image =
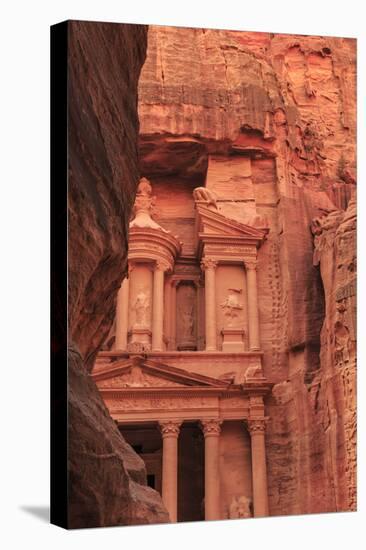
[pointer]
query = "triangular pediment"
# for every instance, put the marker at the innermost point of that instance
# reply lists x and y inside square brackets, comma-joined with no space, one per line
[212,222]
[138,372]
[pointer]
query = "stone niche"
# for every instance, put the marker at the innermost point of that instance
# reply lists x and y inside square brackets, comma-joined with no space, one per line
[140,306]
[231,308]
[186,316]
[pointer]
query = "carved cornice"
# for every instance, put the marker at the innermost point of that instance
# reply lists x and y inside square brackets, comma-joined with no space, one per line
[146,244]
[170,428]
[211,427]
[208,263]
[159,356]
[256,425]
[162,392]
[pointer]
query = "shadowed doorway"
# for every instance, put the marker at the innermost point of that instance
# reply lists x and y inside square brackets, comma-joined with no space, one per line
[146,442]
[190,473]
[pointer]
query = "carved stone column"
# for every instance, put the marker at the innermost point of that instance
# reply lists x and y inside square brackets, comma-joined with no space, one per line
[158,306]
[122,316]
[211,431]
[253,316]
[198,313]
[256,428]
[173,315]
[167,313]
[170,432]
[209,266]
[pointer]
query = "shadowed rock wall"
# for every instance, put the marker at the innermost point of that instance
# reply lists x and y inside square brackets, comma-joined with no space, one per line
[209,101]
[107,480]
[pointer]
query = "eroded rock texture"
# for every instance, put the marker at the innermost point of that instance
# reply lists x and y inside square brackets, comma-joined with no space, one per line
[107,479]
[277,115]
[104,65]
[335,252]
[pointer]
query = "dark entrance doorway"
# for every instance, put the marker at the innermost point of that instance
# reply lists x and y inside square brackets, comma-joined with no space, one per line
[146,442]
[190,473]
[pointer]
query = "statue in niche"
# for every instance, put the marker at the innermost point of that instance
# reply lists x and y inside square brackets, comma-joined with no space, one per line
[240,507]
[186,338]
[187,323]
[232,306]
[141,308]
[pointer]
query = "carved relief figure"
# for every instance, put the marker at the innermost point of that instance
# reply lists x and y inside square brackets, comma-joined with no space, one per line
[188,322]
[141,308]
[205,195]
[342,339]
[240,507]
[254,371]
[232,306]
[186,336]
[136,378]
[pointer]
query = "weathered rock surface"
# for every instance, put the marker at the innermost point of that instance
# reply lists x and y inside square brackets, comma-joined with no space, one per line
[277,115]
[335,389]
[104,66]
[107,479]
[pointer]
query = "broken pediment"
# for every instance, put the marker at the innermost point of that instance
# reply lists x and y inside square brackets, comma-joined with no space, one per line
[213,228]
[210,221]
[137,372]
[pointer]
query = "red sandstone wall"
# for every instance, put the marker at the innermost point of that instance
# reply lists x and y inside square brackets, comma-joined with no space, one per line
[107,480]
[287,103]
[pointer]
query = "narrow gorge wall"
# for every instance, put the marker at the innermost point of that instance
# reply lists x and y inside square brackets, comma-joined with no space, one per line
[276,114]
[107,480]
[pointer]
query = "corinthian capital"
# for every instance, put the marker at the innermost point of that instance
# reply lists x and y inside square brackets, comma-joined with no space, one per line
[162,265]
[211,427]
[170,428]
[250,264]
[208,263]
[256,425]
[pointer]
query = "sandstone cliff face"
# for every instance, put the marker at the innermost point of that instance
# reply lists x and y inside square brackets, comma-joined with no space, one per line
[335,405]
[104,66]
[107,480]
[278,113]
